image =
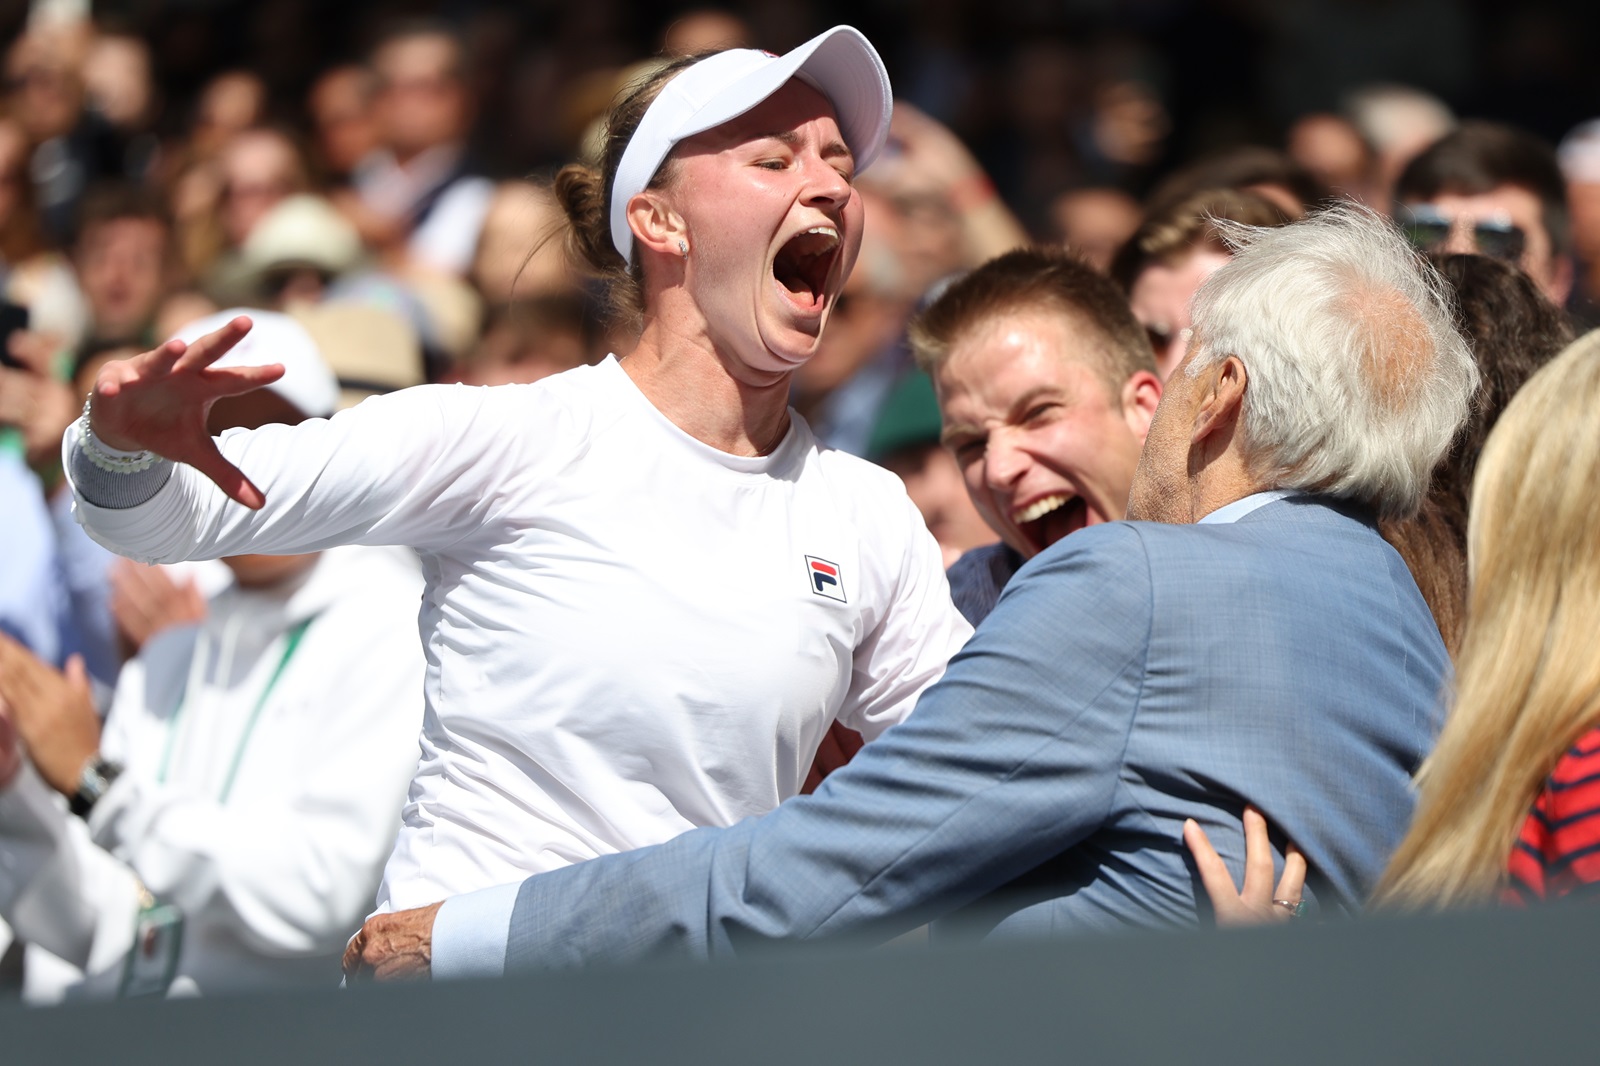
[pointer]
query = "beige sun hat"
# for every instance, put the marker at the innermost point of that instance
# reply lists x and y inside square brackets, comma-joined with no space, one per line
[372,350]
[302,231]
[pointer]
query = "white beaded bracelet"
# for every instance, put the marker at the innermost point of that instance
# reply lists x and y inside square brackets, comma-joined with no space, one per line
[111,464]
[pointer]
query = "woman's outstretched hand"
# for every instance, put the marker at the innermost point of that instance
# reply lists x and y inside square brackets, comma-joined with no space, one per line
[1258,902]
[159,402]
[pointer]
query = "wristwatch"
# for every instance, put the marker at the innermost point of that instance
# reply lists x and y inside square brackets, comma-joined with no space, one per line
[98,774]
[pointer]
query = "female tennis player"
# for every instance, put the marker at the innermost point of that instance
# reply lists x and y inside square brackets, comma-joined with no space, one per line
[648,591]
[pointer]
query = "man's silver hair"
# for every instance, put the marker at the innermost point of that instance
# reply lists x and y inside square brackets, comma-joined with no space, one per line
[1357,376]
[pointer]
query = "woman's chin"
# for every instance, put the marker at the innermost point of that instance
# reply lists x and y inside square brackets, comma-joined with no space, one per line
[784,350]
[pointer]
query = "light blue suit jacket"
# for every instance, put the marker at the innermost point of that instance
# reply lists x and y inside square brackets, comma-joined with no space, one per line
[1132,676]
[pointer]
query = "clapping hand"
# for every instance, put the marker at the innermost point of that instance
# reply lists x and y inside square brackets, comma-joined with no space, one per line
[40,408]
[931,158]
[159,402]
[145,600]
[52,712]
[10,748]
[33,401]
[929,152]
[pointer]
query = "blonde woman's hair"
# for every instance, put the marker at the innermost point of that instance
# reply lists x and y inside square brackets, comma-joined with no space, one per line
[1528,676]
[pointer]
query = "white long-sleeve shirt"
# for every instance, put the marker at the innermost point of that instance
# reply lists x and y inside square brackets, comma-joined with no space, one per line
[260,789]
[628,633]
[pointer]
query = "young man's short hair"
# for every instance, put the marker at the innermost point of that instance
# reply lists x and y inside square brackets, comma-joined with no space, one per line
[1032,278]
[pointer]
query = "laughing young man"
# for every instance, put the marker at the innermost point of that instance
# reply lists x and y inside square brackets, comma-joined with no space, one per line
[1047,385]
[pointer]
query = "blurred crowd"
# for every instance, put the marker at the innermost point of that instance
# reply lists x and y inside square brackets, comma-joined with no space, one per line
[382,181]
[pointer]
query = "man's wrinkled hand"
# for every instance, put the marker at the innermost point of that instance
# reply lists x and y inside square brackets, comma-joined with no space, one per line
[392,947]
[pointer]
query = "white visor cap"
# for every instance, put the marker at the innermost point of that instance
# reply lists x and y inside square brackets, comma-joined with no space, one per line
[307,383]
[840,63]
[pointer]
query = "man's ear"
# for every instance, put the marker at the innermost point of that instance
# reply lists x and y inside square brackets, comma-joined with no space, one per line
[1222,399]
[1141,395]
[655,225]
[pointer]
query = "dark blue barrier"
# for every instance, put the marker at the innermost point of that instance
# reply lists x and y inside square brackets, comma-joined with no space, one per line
[1491,987]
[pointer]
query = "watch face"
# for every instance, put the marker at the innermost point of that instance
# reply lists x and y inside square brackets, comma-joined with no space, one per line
[104,773]
[97,777]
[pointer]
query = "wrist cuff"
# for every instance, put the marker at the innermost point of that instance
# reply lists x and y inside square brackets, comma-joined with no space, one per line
[93,483]
[470,933]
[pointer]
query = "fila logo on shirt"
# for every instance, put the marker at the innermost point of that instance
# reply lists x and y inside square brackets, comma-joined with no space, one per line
[825,578]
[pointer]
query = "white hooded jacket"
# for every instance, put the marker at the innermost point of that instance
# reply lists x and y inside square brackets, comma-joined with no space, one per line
[261,789]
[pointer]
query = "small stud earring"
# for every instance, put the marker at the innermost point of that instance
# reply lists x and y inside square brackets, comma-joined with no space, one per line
[683,247]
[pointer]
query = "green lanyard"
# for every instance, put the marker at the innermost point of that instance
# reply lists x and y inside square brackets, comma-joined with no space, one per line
[290,645]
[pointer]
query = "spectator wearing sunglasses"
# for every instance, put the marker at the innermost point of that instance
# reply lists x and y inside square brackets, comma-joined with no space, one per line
[1494,190]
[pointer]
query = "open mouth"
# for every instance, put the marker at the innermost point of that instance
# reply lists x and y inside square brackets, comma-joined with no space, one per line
[1047,520]
[803,264]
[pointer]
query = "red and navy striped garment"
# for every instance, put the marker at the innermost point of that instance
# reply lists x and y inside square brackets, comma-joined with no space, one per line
[1558,851]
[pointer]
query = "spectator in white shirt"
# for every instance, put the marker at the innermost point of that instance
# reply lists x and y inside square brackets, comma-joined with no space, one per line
[249,776]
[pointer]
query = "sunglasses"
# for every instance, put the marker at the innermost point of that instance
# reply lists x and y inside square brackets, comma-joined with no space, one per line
[1429,230]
